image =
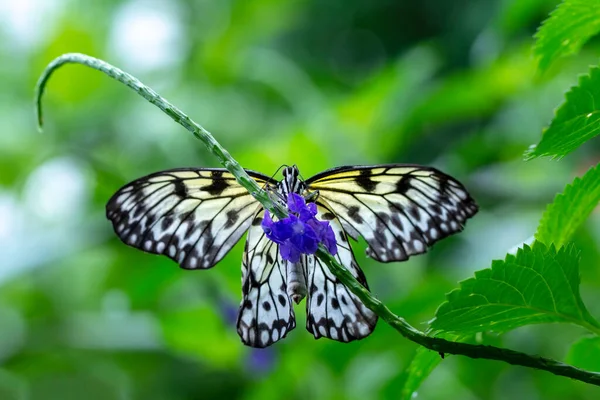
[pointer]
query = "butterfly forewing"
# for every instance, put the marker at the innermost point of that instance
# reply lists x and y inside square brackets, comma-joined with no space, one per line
[193,216]
[399,209]
[332,310]
[266,312]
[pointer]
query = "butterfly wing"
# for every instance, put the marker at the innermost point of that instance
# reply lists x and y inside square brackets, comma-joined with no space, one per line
[399,209]
[193,216]
[332,310]
[266,313]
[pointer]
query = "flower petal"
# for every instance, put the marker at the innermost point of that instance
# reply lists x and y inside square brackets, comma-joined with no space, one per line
[296,203]
[308,212]
[307,242]
[329,240]
[289,252]
[277,231]
[267,224]
[283,229]
[319,227]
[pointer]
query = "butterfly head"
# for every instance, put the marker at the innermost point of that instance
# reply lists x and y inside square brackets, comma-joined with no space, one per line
[291,182]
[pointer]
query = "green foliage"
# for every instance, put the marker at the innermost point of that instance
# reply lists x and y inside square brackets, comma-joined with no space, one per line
[572,24]
[537,285]
[570,209]
[577,120]
[79,310]
[218,341]
[585,353]
[422,364]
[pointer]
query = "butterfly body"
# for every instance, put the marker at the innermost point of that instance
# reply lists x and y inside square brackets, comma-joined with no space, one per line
[296,285]
[195,216]
[296,272]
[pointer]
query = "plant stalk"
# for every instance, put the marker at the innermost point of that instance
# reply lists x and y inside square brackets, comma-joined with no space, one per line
[436,344]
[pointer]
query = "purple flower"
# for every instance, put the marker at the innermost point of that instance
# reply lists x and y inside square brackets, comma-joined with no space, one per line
[324,234]
[301,232]
[297,205]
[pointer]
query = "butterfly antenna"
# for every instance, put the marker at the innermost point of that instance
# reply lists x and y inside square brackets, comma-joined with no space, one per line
[274,194]
[299,174]
[267,185]
[312,196]
[277,171]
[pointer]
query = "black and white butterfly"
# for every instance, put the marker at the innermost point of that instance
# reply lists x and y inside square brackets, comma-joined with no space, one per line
[196,215]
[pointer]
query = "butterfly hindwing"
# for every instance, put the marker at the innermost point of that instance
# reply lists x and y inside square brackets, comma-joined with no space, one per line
[331,309]
[266,312]
[193,216]
[399,209]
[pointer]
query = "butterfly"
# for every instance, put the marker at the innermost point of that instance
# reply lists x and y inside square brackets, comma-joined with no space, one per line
[196,215]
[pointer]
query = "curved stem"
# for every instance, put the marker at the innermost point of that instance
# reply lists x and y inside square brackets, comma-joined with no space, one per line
[176,114]
[437,344]
[444,346]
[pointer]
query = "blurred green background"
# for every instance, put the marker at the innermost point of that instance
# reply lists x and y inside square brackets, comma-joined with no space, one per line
[450,84]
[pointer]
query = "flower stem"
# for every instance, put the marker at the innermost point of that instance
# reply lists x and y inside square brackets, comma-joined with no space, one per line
[444,346]
[175,113]
[437,344]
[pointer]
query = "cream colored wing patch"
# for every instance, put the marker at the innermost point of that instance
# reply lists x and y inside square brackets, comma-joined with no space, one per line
[399,209]
[333,311]
[193,216]
[266,313]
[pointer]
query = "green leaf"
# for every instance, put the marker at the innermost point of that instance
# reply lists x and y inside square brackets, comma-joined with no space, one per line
[421,366]
[576,121]
[570,209]
[537,285]
[585,353]
[570,25]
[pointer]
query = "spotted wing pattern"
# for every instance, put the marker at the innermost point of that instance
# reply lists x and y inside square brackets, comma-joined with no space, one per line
[193,216]
[266,313]
[399,209]
[332,310]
